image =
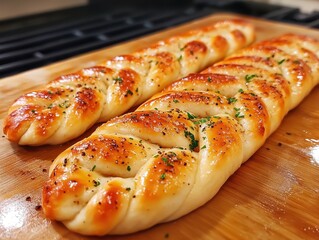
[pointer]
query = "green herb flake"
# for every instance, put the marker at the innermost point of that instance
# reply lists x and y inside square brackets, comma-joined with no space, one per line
[33,111]
[175,101]
[128,189]
[93,168]
[238,115]
[190,116]
[163,176]
[96,183]
[128,168]
[231,100]
[202,120]
[248,78]
[179,58]
[203,147]
[209,79]
[129,92]
[194,142]
[167,163]
[118,80]
[217,117]
[241,90]
[281,61]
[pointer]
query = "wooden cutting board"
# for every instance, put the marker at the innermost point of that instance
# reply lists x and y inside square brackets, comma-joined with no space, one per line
[274,195]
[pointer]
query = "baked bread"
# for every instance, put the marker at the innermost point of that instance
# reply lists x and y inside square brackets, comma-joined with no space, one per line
[151,166]
[69,105]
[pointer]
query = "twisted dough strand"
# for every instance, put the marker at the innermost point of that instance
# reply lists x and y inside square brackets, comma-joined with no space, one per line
[71,104]
[176,150]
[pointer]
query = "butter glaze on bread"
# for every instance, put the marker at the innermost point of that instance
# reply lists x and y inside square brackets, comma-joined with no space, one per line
[69,105]
[175,151]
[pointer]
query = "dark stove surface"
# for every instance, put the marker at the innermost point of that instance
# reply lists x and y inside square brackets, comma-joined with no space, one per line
[38,40]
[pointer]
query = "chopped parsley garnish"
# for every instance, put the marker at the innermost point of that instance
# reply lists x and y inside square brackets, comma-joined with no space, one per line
[175,101]
[118,80]
[163,176]
[248,78]
[33,111]
[203,147]
[190,116]
[93,168]
[231,100]
[129,92]
[241,90]
[128,168]
[194,142]
[50,106]
[96,183]
[217,117]
[238,115]
[179,58]
[202,120]
[281,61]
[128,189]
[209,79]
[167,163]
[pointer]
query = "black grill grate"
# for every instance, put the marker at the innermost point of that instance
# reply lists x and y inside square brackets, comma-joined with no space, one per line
[37,44]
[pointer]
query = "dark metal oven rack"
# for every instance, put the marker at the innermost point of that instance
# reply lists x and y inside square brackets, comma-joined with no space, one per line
[37,40]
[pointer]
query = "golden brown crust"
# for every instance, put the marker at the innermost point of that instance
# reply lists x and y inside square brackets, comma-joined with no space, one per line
[72,103]
[156,161]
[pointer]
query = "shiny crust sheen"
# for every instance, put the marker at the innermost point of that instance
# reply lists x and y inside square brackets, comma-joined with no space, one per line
[69,105]
[151,165]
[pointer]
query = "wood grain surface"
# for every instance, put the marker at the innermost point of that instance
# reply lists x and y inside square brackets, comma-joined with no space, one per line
[274,195]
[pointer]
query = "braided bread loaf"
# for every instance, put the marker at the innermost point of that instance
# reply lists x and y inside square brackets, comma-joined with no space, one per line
[151,165]
[69,105]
